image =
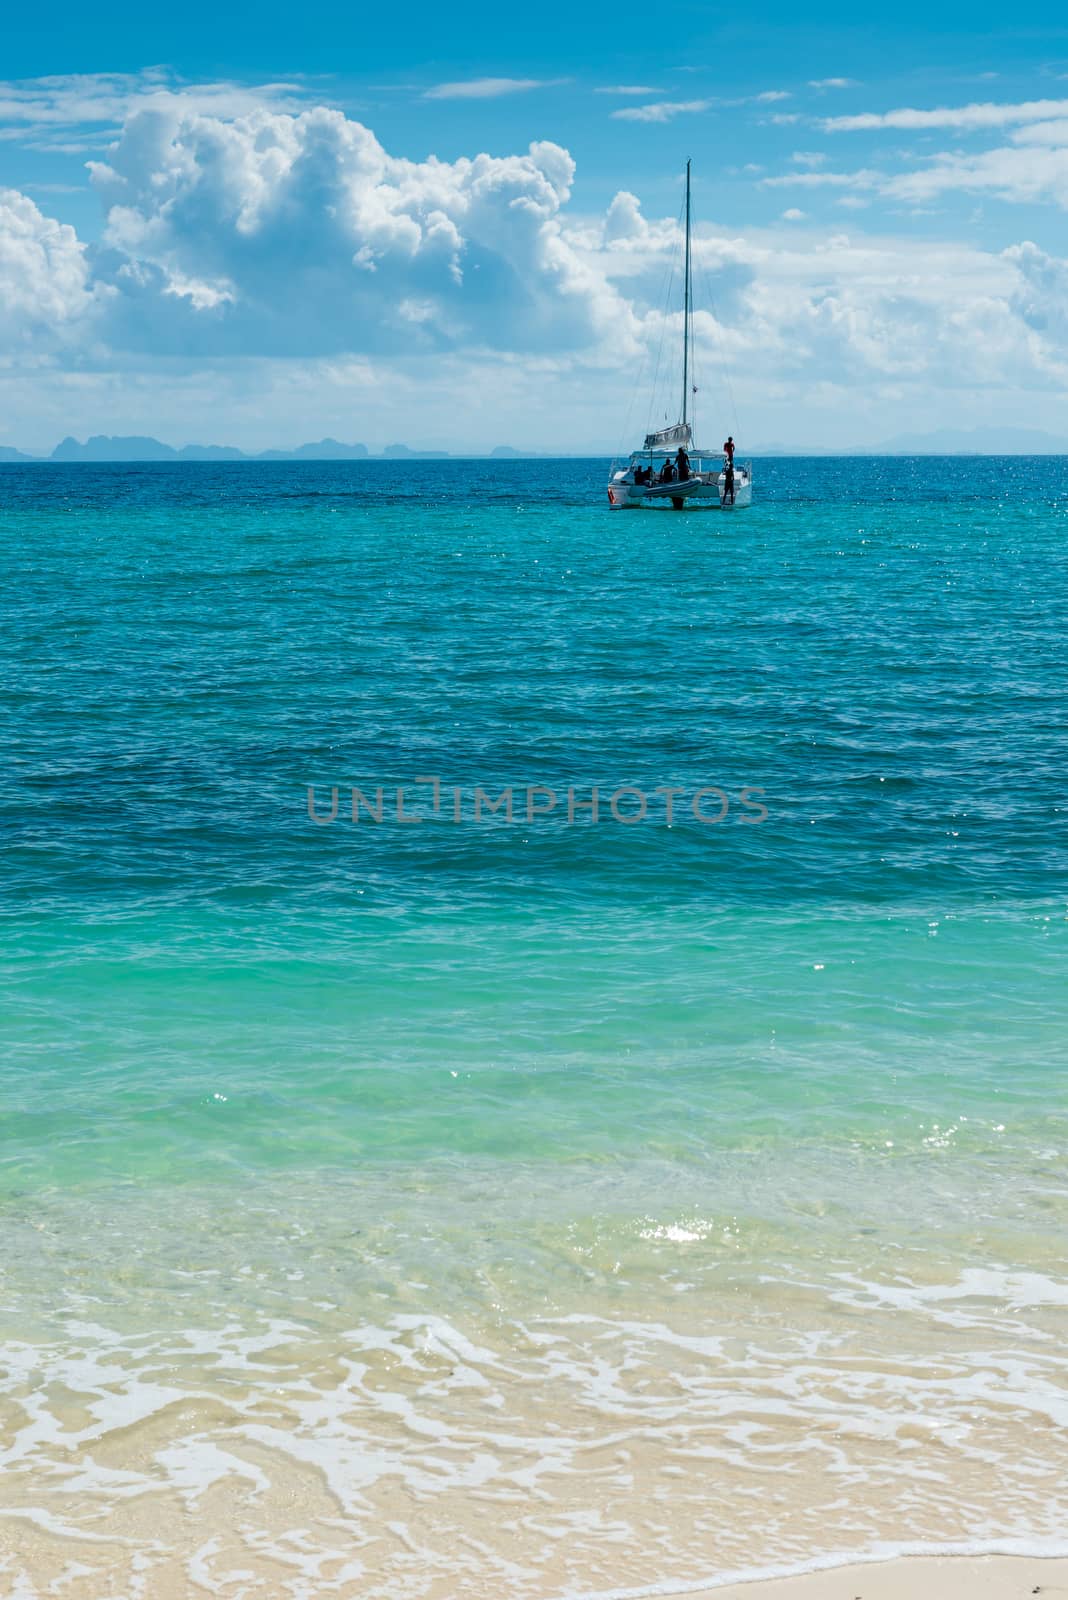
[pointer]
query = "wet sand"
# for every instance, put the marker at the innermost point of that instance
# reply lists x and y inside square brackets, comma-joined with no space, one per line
[913,1578]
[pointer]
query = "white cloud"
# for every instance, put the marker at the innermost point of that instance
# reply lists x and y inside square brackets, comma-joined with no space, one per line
[661,110]
[1046,133]
[937,316]
[1011,173]
[89,100]
[624,219]
[668,110]
[279,234]
[1008,173]
[833,83]
[488,88]
[793,308]
[44,278]
[864,179]
[55,188]
[965,118]
[808,158]
[1031,168]
[628,88]
[1041,299]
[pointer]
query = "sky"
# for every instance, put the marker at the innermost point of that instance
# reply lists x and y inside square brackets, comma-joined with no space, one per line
[458,228]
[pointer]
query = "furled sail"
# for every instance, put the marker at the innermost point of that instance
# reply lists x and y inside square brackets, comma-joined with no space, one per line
[666,438]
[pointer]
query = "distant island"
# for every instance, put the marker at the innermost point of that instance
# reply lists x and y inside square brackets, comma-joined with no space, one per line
[138,447]
[940,442]
[135,447]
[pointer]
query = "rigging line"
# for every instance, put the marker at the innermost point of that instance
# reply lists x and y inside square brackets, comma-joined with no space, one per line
[657,392]
[663,328]
[693,369]
[686,298]
[666,284]
[676,367]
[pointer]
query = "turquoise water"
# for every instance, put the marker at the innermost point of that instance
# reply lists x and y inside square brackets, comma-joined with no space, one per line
[706,1145]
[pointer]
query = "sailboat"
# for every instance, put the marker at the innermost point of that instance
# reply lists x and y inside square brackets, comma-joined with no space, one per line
[648,479]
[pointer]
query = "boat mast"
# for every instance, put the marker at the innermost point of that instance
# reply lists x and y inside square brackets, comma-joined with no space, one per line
[686,310]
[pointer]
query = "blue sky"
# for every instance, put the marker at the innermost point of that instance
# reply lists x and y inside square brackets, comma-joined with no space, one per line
[456,227]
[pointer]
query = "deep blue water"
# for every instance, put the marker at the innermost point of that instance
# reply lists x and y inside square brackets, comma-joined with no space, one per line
[875,650]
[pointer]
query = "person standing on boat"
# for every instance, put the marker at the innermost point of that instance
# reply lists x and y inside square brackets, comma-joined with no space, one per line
[682,463]
[728,481]
[667,471]
[728,449]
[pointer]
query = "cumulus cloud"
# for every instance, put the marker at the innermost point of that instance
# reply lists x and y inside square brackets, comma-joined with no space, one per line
[280,234]
[624,219]
[791,307]
[1040,298]
[832,83]
[44,277]
[936,316]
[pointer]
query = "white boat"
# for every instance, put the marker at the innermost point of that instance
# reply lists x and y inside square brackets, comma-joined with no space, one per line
[651,475]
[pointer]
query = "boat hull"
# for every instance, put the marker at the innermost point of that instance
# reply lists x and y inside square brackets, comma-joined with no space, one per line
[705,493]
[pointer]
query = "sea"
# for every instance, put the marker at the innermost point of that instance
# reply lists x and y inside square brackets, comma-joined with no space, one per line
[421,1177]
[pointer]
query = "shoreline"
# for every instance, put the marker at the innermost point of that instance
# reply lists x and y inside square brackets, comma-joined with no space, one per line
[949,1574]
[944,1577]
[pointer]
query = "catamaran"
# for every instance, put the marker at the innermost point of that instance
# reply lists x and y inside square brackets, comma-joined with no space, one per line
[669,469]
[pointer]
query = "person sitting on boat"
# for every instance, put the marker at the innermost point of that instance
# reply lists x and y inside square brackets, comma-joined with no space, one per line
[682,462]
[728,449]
[728,482]
[667,471]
